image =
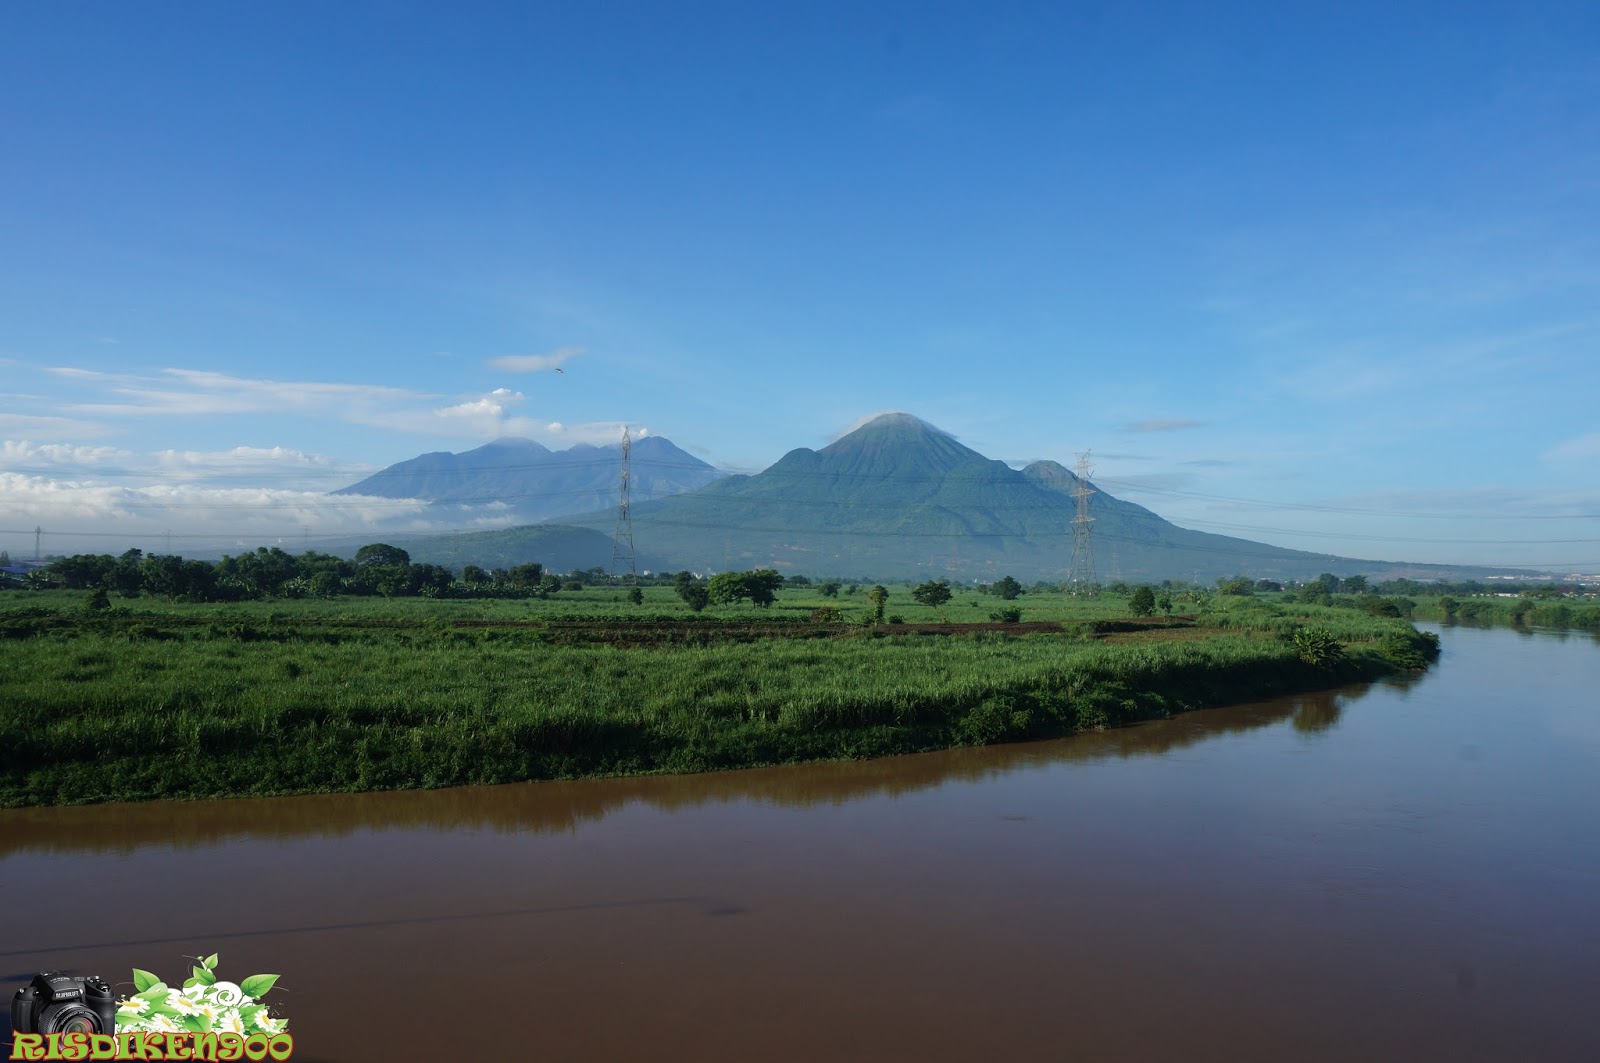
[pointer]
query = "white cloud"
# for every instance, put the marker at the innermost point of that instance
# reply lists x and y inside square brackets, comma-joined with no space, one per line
[95,463]
[48,427]
[1583,447]
[534,363]
[81,516]
[187,392]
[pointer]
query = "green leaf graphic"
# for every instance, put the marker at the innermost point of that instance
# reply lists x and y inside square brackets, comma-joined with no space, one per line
[190,983]
[258,984]
[143,980]
[211,962]
[195,1023]
[204,976]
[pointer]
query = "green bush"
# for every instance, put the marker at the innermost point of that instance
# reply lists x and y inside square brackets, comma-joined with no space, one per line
[1317,646]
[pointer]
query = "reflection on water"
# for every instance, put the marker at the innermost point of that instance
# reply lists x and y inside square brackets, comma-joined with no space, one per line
[562,806]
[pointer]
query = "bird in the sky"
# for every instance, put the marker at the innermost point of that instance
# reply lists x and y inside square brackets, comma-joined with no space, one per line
[560,370]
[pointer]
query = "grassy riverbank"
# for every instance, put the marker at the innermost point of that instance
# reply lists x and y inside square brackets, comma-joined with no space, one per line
[1526,612]
[150,700]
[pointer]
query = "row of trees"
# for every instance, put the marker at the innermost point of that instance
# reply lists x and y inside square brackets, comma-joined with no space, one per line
[269,572]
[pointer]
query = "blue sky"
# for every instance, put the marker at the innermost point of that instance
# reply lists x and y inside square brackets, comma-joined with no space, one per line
[1326,279]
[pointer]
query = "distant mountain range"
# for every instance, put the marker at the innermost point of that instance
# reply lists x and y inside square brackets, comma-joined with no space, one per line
[538,483]
[899,498]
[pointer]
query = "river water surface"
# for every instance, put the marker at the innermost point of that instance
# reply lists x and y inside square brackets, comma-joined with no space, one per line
[1408,871]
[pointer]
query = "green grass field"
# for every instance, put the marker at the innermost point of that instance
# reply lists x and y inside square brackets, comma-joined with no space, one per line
[150,699]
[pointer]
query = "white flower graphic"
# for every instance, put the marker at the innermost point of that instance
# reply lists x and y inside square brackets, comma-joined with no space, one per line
[227,995]
[221,1007]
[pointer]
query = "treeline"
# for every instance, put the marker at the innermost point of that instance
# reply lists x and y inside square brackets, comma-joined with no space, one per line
[377,569]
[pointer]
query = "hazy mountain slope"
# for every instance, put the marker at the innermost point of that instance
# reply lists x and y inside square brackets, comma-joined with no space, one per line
[558,547]
[539,483]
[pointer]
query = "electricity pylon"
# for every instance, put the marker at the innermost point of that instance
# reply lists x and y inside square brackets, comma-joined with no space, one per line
[1081,573]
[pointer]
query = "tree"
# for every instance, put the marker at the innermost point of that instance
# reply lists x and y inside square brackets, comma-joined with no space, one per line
[473,576]
[1354,584]
[829,589]
[162,574]
[381,555]
[125,577]
[764,584]
[1238,585]
[691,590]
[1143,601]
[430,580]
[725,588]
[1165,604]
[879,597]
[696,595]
[1314,594]
[760,586]
[82,571]
[325,584]
[933,593]
[1007,588]
[526,577]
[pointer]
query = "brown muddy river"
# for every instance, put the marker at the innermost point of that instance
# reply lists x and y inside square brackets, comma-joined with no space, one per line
[1401,872]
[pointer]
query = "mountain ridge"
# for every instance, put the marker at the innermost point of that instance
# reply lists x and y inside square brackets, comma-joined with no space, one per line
[899,498]
[535,482]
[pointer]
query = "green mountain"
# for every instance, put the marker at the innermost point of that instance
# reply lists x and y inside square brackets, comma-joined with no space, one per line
[898,498]
[538,483]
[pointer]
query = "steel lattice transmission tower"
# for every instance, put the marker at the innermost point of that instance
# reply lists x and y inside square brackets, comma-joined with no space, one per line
[622,538]
[1081,573]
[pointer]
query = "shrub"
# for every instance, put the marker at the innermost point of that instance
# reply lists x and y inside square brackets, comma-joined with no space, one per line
[1006,616]
[1409,651]
[826,615]
[1317,646]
